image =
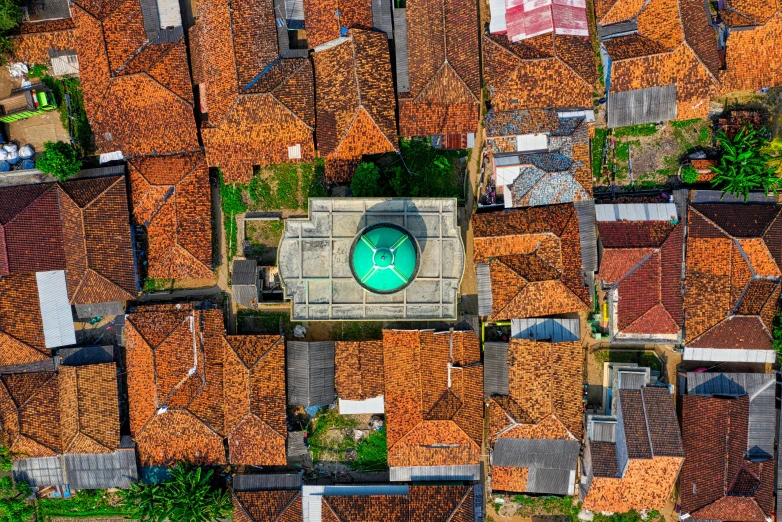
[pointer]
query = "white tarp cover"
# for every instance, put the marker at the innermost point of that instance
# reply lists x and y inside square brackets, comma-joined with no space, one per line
[529,142]
[729,355]
[373,405]
[636,212]
[58,329]
[497,23]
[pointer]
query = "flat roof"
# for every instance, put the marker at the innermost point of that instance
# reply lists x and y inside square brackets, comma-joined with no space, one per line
[313,260]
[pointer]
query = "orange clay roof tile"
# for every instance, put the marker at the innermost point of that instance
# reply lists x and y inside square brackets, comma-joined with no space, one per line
[753,58]
[358,369]
[324,19]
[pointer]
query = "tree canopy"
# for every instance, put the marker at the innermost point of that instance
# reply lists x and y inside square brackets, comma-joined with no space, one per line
[744,166]
[14,506]
[366,181]
[59,159]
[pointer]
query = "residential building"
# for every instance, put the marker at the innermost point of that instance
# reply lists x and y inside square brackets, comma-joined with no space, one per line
[326,21]
[440,86]
[310,372]
[200,395]
[623,452]
[328,272]
[359,380]
[535,410]
[64,426]
[534,262]
[256,90]
[259,498]
[641,271]
[520,21]
[433,404]
[660,60]
[354,100]
[47,31]
[732,281]
[540,156]
[728,428]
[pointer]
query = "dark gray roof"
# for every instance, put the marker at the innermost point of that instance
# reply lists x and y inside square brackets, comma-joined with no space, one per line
[43,471]
[650,105]
[85,355]
[88,311]
[381,17]
[484,289]
[310,373]
[40,10]
[244,272]
[47,365]
[274,481]
[610,31]
[716,196]
[111,470]
[551,463]
[400,44]
[495,369]
[760,387]
[585,210]
[545,328]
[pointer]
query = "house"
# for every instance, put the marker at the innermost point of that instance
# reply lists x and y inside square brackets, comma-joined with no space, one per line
[337,278]
[256,91]
[521,21]
[442,91]
[750,33]
[641,271]
[549,70]
[660,60]
[354,97]
[65,425]
[53,243]
[260,498]
[244,282]
[434,404]
[199,395]
[326,21]
[728,425]
[309,367]
[47,30]
[359,376]
[535,409]
[623,452]
[732,281]
[540,156]
[533,262]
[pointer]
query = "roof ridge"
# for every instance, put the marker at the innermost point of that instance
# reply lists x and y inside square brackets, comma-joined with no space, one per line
[271,93]
[647,257]
[557,57]
[355,118]
[459,504]
[39,196]
[163,86]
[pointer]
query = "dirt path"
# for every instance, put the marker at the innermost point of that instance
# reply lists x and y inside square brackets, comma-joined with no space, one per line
[222,263]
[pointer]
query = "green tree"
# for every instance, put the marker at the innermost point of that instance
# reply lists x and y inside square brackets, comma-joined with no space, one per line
[774,150]
[7,456]
[744,166]
[10,15]
[366,181]
[59,159]
[190,495]
[14,506]
[689,175]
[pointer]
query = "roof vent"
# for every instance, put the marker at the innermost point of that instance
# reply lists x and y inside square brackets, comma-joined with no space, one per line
[162,410]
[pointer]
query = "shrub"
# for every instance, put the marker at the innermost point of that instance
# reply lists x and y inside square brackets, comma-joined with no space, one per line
[366,181]
[689,174]
[59,159]
[13,501]
[744,167]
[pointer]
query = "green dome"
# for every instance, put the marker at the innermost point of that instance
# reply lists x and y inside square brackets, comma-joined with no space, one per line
[384,258]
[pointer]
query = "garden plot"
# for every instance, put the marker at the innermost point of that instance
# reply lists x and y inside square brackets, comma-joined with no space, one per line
[263,238]
[359,441]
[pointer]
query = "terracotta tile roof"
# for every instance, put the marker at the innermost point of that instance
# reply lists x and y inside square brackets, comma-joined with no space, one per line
[264,506]
[70,226]
[444,67]
[358,369]
[545,399]
[603,459]
[355,102]
[191,387]
[324,19]
[717,483]
[674,44]
[629,264]
[130,85]
[36,39]
[434,401]
[544,71]
[505,478]
[422,503]
[753,59]
[170,198]
[73,410]
[21,326]
[732,278]
[258,103]
[532,252]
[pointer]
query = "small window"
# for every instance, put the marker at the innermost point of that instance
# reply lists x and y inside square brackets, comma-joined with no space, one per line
[294,152]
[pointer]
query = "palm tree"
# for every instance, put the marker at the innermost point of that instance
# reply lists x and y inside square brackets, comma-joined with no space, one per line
[743,166]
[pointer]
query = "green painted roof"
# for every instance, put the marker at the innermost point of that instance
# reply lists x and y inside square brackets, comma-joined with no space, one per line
[384,259]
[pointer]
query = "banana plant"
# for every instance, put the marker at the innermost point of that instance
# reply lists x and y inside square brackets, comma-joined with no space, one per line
[744,166]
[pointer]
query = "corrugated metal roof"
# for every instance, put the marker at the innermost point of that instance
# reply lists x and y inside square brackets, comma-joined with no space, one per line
[150,18]
[602,430]
[275,481]
[85,355]
[630,380]
[101,471]
[610,31]
[650,105]
[312,496]
[310,372]
[497,10]
[56,315]
[760,387]
[546,328]
[373,405]
[551,481]
[400,43]
[42,471]
[484,289]
[244,272]
[434,473]
[536,453]
[729,355]
[636,212]
[779,468]
[40,10]
[716,196]
[585,210]
[495,369]
[680,197]
[381,17]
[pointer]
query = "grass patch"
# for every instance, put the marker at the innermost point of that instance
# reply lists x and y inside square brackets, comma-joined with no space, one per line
[313,181]
[285,192]
[232,204]
[357,331]
[321,441]
[563,506]
[598,144]
[372,452]
[646,129]
[271,322]
[156,285]
[83,504]
[685,123]
[74,118]
[645,359]
[630,516]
